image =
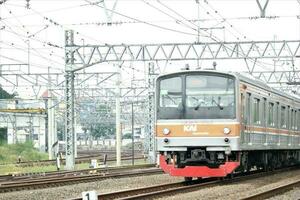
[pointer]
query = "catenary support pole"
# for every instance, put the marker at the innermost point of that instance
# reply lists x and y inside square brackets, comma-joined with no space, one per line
[132,131]
[118,117]
[151,114]
[69,101]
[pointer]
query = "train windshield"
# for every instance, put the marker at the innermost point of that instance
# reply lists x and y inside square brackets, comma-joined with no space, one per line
[209,97]
[170,99]
[201,97]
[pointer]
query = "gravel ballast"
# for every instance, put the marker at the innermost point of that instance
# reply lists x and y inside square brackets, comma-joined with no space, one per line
[240,189]
[225,191]
[104,186]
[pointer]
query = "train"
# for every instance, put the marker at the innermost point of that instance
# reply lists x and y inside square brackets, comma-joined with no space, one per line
[211,123]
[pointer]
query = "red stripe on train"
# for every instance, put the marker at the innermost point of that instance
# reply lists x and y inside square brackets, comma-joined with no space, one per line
[198,171]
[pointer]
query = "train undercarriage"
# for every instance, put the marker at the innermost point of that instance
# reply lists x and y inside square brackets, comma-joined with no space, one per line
[197,162]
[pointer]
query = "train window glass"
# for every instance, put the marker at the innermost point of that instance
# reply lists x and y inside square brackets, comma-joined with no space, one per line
[283,117]
[298,120]
[248,105]
[210,97]
[264,119]
[277,115]
[295,120]
[170,98]
[256,109]
[291,119]
[242,107]
[288,116]
[170,92]
[271,114]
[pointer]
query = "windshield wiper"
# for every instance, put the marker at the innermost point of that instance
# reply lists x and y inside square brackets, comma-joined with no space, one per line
[198,105]
[221,107]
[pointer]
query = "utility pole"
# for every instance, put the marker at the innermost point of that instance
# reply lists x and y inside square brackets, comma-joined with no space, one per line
[198,29]
[132,131]
[51,125]
[262,8]
[118,116]
[28,54]
[31,130]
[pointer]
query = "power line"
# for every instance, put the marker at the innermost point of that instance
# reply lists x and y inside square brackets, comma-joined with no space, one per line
[172,17]
[141,21]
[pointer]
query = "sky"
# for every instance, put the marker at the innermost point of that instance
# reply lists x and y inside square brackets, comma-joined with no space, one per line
[39,29]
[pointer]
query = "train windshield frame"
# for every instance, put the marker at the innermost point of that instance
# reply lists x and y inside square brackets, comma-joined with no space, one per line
[196,96]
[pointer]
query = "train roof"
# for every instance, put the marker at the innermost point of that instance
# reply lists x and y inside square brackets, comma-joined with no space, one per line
[241,77]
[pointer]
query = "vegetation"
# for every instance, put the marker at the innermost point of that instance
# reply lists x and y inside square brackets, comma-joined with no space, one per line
[127,136]
[6,95]
[9,153]
[13,169]
[103,130]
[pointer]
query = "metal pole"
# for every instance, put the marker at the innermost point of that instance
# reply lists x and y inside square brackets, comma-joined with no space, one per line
[118,117]
[69,100]
[51,126]
[69,120]
[151,115]
[46,127]
[132,132]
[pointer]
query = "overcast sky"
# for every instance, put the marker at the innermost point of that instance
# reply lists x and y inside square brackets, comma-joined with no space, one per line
[137,21]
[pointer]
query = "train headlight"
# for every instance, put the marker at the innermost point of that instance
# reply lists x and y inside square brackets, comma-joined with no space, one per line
[166,131]
[226,130]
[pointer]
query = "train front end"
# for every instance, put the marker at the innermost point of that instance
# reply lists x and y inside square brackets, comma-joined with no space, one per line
[197,125]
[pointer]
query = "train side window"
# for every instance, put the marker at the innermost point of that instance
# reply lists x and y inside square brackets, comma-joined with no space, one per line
[271,108]
[256,109]
[295,120]
[298,120]
[283,117]
[248,108]
[264,112]
[288,114]
[291,118]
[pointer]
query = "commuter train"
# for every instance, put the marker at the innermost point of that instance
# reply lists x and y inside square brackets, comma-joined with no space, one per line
[212,124]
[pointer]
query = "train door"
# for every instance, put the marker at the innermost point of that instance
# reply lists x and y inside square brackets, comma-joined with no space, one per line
[242,119]
[247,119]
[265,121]
[278,122]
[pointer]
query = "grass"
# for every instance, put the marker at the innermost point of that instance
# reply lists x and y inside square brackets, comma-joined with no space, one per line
[9,153]
[12,169]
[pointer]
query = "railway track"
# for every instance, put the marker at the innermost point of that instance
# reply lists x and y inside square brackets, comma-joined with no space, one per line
[67,179]
[180,187]
[83,156]
[273,191]
[9,178]
[78,160]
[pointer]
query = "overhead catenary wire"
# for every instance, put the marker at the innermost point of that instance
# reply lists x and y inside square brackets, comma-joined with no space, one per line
[172,17]
[142,21]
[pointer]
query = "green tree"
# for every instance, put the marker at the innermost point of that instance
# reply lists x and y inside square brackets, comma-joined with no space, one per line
[127,136]
[103,130]
[6,95]
[3,132]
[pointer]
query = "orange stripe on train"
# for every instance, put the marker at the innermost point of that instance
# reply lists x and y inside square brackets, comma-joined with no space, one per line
[213,130]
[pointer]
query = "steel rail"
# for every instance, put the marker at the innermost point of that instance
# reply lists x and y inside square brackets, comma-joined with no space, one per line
[58,181]
[102,170]
[78,160]
[179,187]
[273,191]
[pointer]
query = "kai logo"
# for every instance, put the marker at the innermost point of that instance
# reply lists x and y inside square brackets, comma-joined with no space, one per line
[190,128]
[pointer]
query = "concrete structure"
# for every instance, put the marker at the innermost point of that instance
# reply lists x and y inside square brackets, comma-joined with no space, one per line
[21,127]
